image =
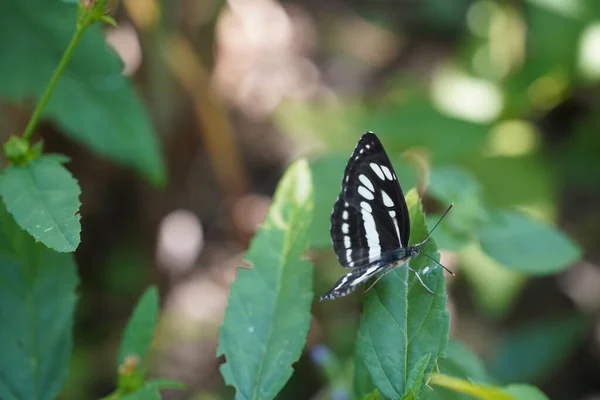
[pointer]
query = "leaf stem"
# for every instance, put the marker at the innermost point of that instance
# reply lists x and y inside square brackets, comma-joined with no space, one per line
[86,16]
[37,114]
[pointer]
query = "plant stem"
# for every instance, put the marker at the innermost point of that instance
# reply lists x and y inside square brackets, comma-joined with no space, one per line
[39,109]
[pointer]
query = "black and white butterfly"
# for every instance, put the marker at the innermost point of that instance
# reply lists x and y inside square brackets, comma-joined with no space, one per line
[370,225]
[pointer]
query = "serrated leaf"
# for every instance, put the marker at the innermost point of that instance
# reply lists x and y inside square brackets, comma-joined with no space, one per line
[528,352]
[92,101]
[415,378]
[43,197]
[140,327]
[37,301]
[268,312]
[524,244]
[401,321]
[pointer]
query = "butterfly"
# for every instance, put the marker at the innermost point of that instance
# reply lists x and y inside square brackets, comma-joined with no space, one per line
[370,224]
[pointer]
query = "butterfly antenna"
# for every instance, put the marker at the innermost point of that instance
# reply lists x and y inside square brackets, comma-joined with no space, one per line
[435,226]
[438,263]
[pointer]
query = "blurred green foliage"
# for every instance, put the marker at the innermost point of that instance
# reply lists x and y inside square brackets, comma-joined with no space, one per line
[481,131]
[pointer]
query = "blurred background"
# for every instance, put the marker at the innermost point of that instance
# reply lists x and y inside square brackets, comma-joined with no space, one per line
[491,104]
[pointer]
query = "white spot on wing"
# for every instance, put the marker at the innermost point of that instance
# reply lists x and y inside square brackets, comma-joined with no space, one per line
[345,228]
[387,172]
[364,192]
[370,232]
[366,206]
[349,256]
[345,215]
[365,181]
[368,273]
[393,217]
[387,200]
[347,242]
[377,170]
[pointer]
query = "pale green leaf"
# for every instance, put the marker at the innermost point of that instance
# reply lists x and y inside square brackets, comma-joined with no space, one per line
[487,392]
[93,101]
[268,312]
[401,321]
[527,245]
[140,327]
[474,390]
[43,197]
[37,302]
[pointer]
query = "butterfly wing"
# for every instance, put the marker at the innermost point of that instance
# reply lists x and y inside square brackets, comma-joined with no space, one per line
[370,216]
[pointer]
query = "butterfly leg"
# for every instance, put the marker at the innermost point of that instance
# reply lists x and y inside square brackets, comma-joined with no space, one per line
[378,278]
[419,278]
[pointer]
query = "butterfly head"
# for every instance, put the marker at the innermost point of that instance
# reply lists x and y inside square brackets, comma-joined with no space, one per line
[413,251]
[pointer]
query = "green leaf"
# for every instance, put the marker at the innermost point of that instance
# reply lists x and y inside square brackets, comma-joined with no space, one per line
[143,393]
[43,197]
[487,392]
[37,302]
[415,378]
[363,385]
[525,392]
[165,383]
[452,184]
[529,352]
[461,363]
[473,390]
[401,321]
[140,327]
[93,102]
[268,312]
[527,245]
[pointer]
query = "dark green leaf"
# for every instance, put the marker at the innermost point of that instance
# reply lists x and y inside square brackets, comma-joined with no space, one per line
[401,321]
[268,312]
[93,101]
[140,327]
[529,352]
[43,197]
[37,301]
[529,246]
[362,386]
